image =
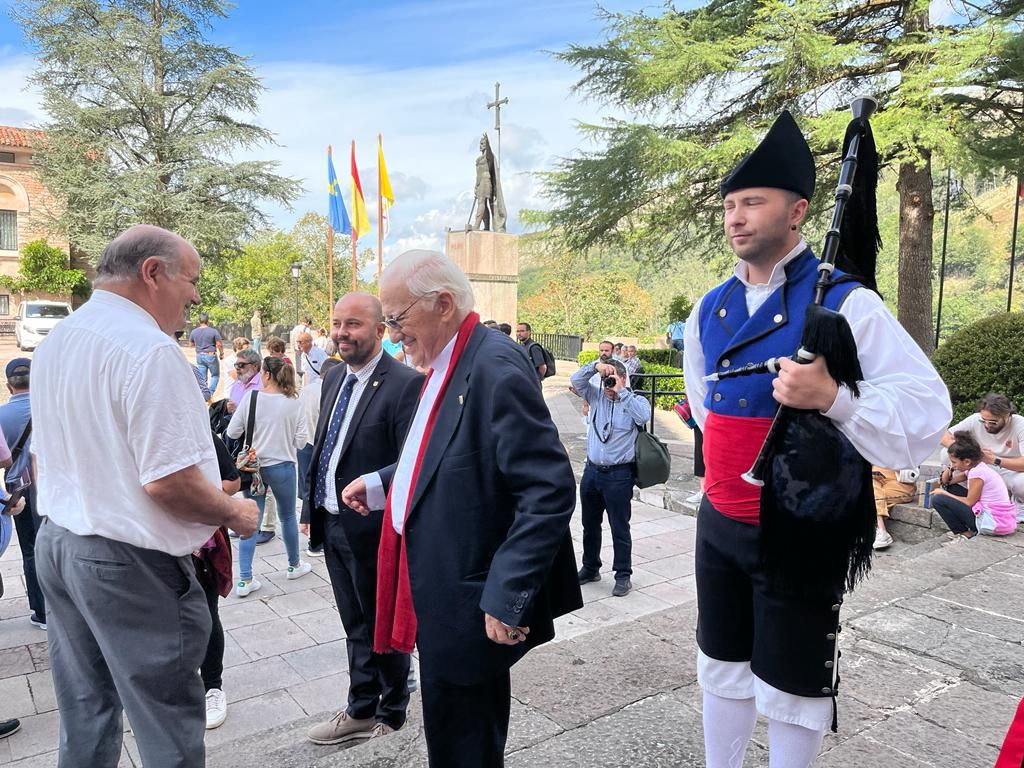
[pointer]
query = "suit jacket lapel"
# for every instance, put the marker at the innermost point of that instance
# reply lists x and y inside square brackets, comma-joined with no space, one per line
[448,417]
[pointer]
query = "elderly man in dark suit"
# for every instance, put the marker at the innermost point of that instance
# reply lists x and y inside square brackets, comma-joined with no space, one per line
[475,559]
[365,409]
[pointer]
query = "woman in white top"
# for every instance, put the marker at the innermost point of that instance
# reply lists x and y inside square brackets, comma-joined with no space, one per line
[280,430]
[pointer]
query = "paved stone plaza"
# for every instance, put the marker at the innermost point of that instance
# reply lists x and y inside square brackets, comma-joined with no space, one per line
[932,661]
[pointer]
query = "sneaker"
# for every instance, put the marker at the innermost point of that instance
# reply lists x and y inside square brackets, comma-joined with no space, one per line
[300,570]
[245,588]
[1020,510]
[586,576]
[958,538]
[263,537]
[381,729]
[411,683]
[622,587]
[216,708]
[883,539]
[8,727]
[341,728]
[318,552]
[35,621]
[693,501]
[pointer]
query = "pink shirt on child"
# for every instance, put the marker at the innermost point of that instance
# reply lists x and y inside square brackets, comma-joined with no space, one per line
[995,497]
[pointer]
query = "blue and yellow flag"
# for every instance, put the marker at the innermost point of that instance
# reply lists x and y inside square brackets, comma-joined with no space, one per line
[338,215]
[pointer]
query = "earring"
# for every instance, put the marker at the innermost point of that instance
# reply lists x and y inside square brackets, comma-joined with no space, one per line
[793,227]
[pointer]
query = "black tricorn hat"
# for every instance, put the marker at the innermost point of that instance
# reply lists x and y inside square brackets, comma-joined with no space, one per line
[782,160]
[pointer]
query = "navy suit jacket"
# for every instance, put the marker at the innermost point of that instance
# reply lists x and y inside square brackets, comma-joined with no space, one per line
[487,528]
[374,437]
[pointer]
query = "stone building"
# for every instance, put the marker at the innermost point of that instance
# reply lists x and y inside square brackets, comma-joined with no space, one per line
[23,203]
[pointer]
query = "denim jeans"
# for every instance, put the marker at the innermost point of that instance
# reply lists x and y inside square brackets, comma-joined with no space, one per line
[209,369]
[281,479]
[677,345]
[611,489]
[305,455]
[256,340]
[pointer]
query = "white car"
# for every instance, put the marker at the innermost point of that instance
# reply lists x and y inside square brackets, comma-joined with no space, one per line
[35,319]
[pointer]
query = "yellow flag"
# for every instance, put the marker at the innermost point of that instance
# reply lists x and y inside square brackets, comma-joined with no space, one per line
[387,196]
[360,221]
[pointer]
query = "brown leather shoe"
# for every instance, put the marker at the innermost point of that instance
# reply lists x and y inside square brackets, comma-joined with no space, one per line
[341,728]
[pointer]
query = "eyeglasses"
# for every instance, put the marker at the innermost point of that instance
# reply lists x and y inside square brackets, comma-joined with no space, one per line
[395,323]
[991,422]
[240,366]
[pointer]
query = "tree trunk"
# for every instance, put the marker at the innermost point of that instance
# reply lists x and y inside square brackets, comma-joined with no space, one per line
[917,215]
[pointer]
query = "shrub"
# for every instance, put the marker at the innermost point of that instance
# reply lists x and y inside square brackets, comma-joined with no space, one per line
[985,356]
[660,357]
[664,402]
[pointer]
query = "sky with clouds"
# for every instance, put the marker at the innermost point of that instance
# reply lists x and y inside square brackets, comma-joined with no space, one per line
[418,72]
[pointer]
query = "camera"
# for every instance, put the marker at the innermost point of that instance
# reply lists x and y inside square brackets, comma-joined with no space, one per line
[609,382]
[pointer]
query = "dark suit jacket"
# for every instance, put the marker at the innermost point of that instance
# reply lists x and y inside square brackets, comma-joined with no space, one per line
[488,522]
[374,438]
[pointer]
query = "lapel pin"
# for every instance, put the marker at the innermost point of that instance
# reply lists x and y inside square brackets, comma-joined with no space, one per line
[376,382]
[460,400]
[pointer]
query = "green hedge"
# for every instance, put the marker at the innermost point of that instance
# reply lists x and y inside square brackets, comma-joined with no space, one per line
[669,357]
[986,356]
[664,402]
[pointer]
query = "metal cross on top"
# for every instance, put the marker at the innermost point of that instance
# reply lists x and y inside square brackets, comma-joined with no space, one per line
[497,103]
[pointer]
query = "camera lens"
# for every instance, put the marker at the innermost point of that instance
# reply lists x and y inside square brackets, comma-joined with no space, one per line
[609,382]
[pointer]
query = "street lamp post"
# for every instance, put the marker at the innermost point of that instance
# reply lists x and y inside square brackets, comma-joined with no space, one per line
[296,270]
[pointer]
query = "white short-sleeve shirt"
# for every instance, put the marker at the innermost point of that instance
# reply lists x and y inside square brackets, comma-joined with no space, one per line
[115,406]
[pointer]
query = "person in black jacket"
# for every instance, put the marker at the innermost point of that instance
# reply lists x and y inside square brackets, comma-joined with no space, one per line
[365,409]
[476,560]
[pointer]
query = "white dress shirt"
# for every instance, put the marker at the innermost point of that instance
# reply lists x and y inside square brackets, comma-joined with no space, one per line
[115,406]
[363,376]
[401,490]
[903,408]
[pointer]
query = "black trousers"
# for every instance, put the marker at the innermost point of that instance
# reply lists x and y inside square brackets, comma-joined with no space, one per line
[466,725]
[954,513]
[27,523]
[212,670]
[378,682]
[607,489]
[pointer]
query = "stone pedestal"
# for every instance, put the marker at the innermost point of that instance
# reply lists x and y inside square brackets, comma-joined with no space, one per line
[491,261]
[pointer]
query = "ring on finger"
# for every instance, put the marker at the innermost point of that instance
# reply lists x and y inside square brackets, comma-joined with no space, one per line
[513,634]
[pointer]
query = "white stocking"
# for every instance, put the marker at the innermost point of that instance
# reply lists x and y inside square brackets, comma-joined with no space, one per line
[792,746]
[728,724]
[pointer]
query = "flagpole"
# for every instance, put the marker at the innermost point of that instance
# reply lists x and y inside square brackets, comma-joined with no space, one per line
[1013,246]
[353,221]
[330,258]
[380,210]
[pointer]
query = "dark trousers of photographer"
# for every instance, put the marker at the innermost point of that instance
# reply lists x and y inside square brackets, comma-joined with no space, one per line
[607,489]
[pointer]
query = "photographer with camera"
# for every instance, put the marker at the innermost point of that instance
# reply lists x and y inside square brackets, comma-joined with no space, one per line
[616,413]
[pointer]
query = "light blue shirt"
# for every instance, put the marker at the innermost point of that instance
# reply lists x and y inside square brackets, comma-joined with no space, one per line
[13,418]
[676,330]
[611,438]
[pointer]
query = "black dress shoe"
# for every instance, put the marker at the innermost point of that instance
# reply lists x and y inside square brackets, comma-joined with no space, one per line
[586,576]
[264,536]
[622,587]
[7,727]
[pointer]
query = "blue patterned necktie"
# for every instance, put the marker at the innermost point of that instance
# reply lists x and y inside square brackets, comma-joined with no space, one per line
[331,440]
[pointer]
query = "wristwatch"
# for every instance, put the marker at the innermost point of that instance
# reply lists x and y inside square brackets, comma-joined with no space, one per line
[997,461]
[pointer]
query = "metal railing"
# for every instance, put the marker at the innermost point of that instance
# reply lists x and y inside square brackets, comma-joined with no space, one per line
[562,346]
[652,392]
[6,327]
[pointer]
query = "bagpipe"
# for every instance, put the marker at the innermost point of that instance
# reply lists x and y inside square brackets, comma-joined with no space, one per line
[817,508]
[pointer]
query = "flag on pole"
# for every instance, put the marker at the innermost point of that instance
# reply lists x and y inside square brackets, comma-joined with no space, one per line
[360,221]
[386,195]
[336,206]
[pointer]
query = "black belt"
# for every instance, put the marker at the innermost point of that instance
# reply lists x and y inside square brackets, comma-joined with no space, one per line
[608,467]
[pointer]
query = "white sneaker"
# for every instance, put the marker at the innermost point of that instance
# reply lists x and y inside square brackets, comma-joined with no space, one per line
[883,539]
[300,570]
[694,500]
[315,552]
[245,588]
[216,708]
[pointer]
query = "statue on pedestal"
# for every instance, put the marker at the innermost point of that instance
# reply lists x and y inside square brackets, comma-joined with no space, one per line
[488,212]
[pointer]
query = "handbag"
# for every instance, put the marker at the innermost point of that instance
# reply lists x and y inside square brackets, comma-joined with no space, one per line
[986,521]
[17,486]
[653,461]
[246,460]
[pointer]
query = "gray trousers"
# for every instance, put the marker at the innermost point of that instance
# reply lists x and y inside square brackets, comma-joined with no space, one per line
[127,628]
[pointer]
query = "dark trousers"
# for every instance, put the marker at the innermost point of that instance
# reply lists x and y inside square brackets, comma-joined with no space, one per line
[378,682]
[302,458]
[954,513]
[466,726]
[212,669]
[127,630]
[611,489]
[27,523]
[698,453]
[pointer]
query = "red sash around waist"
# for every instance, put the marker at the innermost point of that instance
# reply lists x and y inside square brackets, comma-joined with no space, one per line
[731,444]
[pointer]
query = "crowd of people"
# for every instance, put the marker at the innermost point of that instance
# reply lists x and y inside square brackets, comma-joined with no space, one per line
[439,493]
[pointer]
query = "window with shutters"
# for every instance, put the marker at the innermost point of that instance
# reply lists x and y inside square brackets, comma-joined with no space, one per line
[8,230]
[6,157]
[5,305]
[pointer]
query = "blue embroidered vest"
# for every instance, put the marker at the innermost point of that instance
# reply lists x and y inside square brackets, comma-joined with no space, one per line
[730,338]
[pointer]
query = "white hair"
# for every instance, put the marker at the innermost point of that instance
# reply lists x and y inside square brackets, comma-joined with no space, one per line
[429,272]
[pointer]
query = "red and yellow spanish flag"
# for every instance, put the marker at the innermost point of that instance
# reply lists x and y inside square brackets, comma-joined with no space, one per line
[360,221]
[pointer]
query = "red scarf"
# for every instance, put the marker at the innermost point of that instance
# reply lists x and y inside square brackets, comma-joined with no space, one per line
[395,628]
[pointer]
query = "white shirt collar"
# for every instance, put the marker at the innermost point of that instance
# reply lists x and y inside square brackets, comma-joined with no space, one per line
[115,299]
[778,276]
[367,370]
[443,360]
